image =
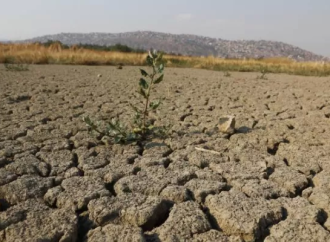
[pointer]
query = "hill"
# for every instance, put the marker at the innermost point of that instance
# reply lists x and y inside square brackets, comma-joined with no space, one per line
[184,44]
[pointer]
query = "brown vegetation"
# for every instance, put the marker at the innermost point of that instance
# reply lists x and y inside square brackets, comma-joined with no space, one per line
[39,54]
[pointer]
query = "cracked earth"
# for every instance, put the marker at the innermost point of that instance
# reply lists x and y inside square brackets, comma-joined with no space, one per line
[268,182]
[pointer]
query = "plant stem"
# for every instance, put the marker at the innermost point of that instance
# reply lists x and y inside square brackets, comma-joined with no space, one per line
[145,113]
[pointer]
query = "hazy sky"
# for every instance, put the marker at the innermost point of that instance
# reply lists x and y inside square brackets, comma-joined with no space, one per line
[304,23]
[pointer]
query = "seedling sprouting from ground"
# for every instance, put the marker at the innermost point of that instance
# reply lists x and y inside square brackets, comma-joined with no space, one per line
[226,74]
[142,126]
[263,75]
[145,88]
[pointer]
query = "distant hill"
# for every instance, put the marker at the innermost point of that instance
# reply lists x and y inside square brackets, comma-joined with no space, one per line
[187,45]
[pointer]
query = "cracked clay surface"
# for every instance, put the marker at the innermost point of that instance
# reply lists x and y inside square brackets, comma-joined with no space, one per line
[269,181]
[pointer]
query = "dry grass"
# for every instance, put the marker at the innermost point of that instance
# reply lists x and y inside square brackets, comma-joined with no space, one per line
[39,54]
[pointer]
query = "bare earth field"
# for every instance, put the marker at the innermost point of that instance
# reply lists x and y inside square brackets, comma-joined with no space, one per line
[269,183]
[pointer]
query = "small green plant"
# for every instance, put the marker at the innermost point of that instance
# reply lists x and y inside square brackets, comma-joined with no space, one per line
[142,126]
[227,74]
[16,67]
[263,75]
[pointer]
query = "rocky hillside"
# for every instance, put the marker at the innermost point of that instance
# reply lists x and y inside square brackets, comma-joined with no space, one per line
[188,44]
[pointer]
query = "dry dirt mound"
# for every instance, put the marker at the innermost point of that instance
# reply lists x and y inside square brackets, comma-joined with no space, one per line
[269,182]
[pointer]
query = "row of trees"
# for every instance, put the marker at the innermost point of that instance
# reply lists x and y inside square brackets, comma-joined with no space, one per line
[116,47]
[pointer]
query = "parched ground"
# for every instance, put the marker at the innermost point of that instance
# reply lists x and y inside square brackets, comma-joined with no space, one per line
[269,182]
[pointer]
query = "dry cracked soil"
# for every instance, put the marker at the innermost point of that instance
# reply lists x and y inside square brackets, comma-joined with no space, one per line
[268,182]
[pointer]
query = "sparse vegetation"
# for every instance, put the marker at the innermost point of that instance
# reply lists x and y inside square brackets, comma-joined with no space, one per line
[11,66]
[114,48]
[142,126]
[16,67]
[55,54]
[263,75]
[227,74]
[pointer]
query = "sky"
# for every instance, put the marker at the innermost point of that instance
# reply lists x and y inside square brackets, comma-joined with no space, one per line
[303,23]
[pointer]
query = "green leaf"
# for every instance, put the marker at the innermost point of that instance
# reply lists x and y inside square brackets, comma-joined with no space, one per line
[159,79]
[114,132]
[153,53]
[87,120]
[89,123]
[161,68]
[143,83]
[154,105]
[160,56]
[113,123]
[137,130]
[149,60]
[142,92]
[131,137]
[143,73]
[118,140]
[150,127]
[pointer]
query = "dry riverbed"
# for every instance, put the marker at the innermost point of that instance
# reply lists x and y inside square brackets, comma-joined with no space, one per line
[269,182]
